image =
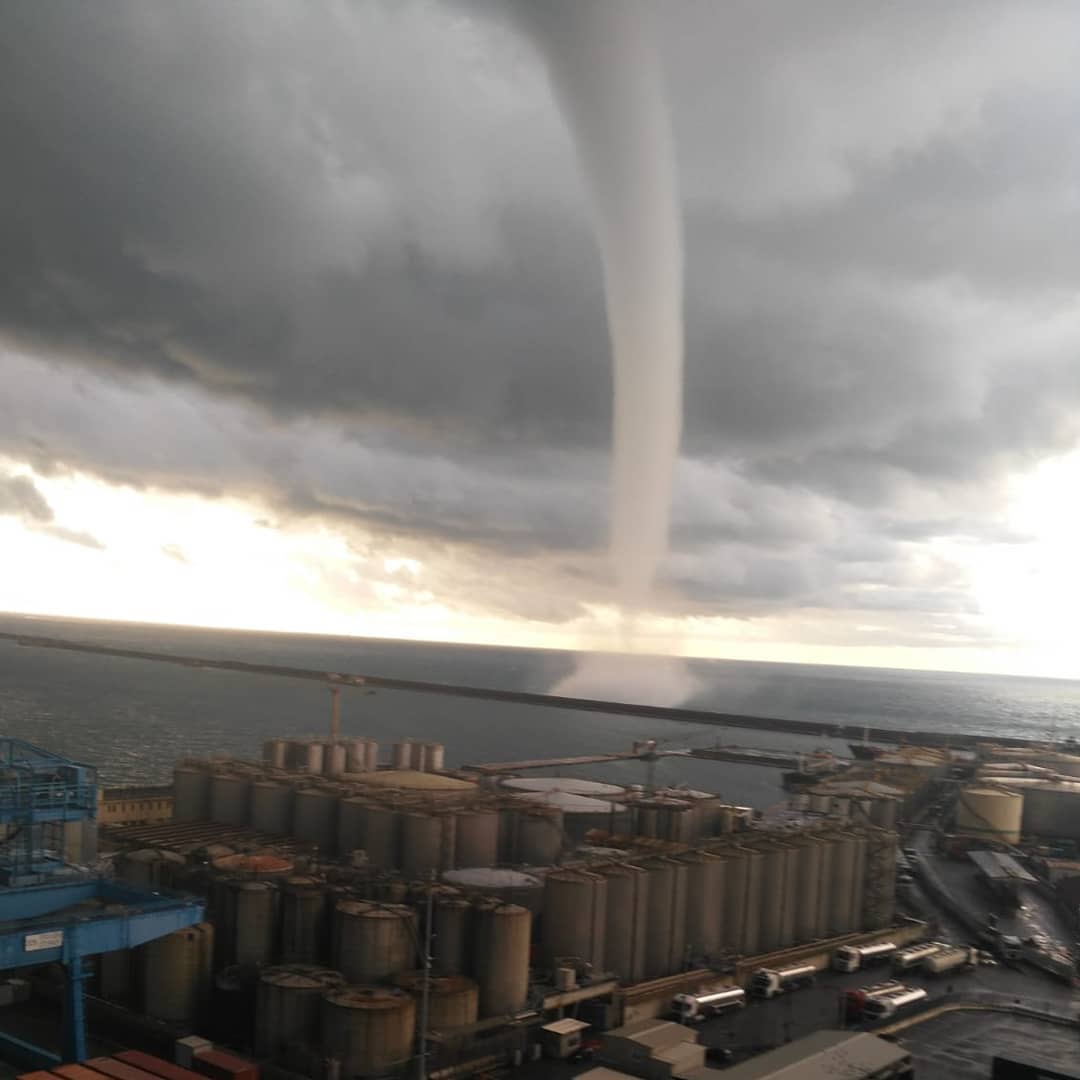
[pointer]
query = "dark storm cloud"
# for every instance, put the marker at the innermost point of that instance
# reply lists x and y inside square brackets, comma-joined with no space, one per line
[362,222]
[20,498]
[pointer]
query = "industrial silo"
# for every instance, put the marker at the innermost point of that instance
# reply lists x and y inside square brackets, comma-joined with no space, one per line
[879,890]
[451,940]
[356,756]
[304,920]
[176,974]
[510,886]
[253,866]
[314,757]
[381,836]
[860,880]
[581,813]
[704,902]
[736,860]
[271,807]
[276,753]
[402,754]
[575,917]
[335,759]
[665,947]
[678,820]
[538,835]
[646,818]
[822,924]
[807,877]
[774,895]
[627,921]
[755,897]
[432,756]
[453,1000]
[255,927]
[230,798]
[990,813]
[374,941]
[314,819]
[191,793]
[502,933]
[841,919]
[477,838]
[350,825]
[288,1006]
[368,1029]
[150,868]
[428,841]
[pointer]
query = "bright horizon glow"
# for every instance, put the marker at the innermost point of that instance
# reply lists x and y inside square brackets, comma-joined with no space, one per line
[188,560]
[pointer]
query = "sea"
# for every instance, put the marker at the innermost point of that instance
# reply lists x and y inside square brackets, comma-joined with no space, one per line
[133,720]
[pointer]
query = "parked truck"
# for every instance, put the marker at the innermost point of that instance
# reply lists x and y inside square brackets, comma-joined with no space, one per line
[955,958]
[694,1008]
[886,1006]
[768,982]
[855,1000]
[914,955]
[855,957]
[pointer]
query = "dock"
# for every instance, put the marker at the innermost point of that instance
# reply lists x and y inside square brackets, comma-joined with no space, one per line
[496,768]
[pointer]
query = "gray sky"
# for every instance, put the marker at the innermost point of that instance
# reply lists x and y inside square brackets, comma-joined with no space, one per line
[335,258]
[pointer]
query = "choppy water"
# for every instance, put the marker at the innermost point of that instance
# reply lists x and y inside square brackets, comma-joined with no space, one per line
[133,719]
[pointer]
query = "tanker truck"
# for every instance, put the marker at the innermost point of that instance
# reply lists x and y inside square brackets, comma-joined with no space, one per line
[912,957]
[886,1006]
[694,1008]
[954,959]
[854,957]
[855,1000]
[768,982]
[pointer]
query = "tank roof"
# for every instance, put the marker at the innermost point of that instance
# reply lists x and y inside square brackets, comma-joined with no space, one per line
[491,877]
[240,863]
[569,784]
[302,977]
[569,803]
[411,778]
[368,997]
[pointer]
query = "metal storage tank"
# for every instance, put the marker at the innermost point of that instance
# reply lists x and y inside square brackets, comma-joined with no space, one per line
[382,836]
[371,755]
[581,813]
[627,922]
[296,755]
[271,807]
[191,793]
[356,756]
[647,819]
[315,818]
[754,899]
[432,756]
[575,916]
[665,947]
[1051,808]
[453,1000]
[450,947]
[773,896]
[792,898]
[502,933]
[230,798]
[255,866]
[734,907]
[704,902]
[841,919]
[884,812]
[860,880]
[276,753]
[289,1003]
[477,838]
[314,757]
[991,813]
[335,756]
[402,754]
[678,821]
[232,1014]
[369,1029]
[256,921]
[374,941]
[350,825]
[807,889]
[427,843]
[149,868]
[879,898]
[176,973]
[304,920]
[825,887]
[538,838]
[510,886]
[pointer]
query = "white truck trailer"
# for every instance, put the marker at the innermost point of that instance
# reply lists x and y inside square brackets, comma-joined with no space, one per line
[912,957]
[768,982]
[856,957]
[694,1008]
[886,1005]
[955,958]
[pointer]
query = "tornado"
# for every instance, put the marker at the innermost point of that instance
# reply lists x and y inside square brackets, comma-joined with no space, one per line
[606,81]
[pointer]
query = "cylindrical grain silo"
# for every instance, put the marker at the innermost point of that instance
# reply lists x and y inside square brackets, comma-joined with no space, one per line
[289,1002]
[581,813]
[860,880]
[825,887]
[230,798]
[335,758]
[665,949]
[453,1000]
[646,815]
[304,920]
[704,903]
[627,920]
[773,896]
[176,976]
[678,821]
[734,906]
[256,921]
[501,935]
[477,838]
[510,886]
[356,756]
[276,753]
[990,813]
[271,807]
[371,755]
[879,892]
[792,899]
[315,818]
[575,916]
[382,836]
[401,754]
[350,825]
[807,889]
[191,793]
[451,940]
[374,942]
[421,844]
[432,756]
[314,757]
[841,909]
[253,866]
[149,868]
[368,1029]
[538,839]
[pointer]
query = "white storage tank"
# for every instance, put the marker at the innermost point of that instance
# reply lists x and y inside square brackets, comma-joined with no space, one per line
[510,886]
[990,813]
